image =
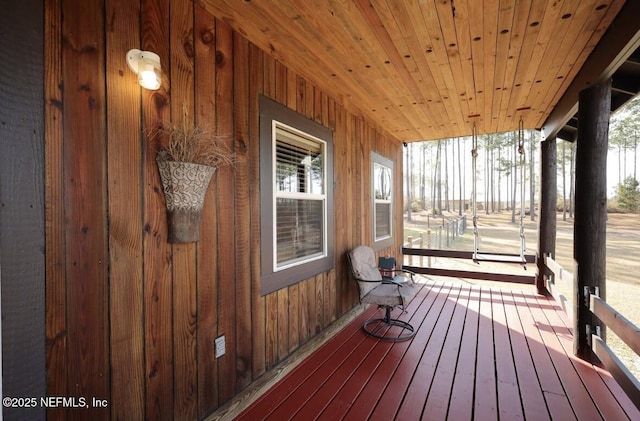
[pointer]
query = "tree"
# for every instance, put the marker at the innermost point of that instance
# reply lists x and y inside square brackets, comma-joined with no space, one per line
[625,129]
[628,194]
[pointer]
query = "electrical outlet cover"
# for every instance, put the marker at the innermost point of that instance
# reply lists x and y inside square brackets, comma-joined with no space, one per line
[220,346]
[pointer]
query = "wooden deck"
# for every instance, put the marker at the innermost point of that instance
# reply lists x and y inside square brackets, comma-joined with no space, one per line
[479,353]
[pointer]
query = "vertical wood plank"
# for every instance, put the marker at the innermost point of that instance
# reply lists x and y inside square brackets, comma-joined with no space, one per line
[207,257]
[271,352]
[158,300]
[86,201]
[242,212]
[294,323]
[285,316]
[226,214]
[340,196]
[184,254]
[258,320]
[318,302]
[330,297]
[124,143]
[282,345]
[303,315]
[271,331]
[310,307]
[55,261]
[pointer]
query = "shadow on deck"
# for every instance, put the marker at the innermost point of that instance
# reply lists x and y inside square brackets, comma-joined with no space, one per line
[479,353]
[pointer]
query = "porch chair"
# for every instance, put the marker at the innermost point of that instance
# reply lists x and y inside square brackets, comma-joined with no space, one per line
[386,292]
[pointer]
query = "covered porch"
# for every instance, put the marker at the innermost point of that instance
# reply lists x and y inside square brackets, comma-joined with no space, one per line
[480,353]
[98,302]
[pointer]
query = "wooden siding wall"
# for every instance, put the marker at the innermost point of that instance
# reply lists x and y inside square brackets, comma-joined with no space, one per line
[131,319]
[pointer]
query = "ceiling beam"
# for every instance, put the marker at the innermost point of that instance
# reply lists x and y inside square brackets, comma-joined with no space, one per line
[616,46]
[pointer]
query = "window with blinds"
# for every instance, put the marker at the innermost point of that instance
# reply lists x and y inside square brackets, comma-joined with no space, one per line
[296,197]
[300,199]
[382,186]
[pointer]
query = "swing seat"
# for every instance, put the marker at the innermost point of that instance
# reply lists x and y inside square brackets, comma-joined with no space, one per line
[499,258]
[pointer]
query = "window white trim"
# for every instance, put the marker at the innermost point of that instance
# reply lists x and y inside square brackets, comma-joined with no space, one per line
[378,162]
[282,132]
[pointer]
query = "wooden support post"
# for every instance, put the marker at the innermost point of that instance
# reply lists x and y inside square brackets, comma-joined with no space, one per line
[547,220]
[590,231]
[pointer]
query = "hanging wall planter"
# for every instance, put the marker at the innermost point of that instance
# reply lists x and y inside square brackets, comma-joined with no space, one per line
[186,166]
[185,186]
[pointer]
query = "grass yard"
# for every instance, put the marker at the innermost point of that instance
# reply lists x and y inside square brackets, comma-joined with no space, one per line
[498,234]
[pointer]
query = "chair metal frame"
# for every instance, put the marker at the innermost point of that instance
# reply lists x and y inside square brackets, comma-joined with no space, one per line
[380,327]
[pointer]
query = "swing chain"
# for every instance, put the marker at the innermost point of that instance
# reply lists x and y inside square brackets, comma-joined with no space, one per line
[522,188]
[474,155]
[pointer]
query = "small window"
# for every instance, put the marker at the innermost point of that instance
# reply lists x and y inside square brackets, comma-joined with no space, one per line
[382,206]
[296,193]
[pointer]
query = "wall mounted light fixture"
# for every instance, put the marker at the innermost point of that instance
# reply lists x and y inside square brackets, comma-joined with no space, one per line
[147,66]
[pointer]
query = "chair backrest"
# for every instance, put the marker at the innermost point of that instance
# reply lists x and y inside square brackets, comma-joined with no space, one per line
[364,269]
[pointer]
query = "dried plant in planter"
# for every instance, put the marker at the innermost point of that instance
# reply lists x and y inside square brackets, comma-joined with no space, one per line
[195,144]
[186,164]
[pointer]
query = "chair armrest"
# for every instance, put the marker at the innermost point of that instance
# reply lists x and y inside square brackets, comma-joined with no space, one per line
[408,272]
[392,281]
[368,280]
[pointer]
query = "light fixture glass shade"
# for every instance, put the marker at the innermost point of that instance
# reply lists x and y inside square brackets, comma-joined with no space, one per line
[147,65]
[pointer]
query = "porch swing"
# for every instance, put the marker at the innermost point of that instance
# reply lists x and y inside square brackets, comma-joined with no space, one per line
[498,257]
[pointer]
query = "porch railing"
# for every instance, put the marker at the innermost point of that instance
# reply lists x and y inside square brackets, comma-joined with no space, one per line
[612,319]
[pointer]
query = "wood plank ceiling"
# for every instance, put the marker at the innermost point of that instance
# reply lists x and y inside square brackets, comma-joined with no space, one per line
[431,69]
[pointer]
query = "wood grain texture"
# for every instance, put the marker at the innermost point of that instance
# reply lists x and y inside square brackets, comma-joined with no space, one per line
[142,332]
[258,319]
[207,259]
[157,270]
[185,385]
[85,184]
[226,213]
[125,143]
[242,141]
[55,261]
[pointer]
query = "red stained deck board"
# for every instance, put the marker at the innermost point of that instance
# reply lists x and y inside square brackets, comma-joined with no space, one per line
[550,385]
[598,390]
[365,403]
[437,400]
[461,404]
[316,380]
[390,400]
[485,402]
[370,366]
[276,395]
[533,402]
[509,399]
[622,398]
[469,339]
[415,396]
[346,394]
[574,389]
[547,376]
